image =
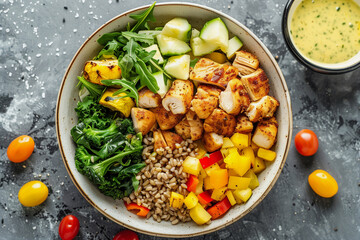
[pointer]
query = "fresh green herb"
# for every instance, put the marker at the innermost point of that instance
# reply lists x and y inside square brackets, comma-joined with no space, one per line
[128,87]
[193,62]
[94,89]
[107,37]
[145,38]
[111,50]
[143,19]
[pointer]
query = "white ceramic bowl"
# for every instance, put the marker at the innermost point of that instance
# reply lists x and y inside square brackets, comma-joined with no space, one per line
[66,118]
[328,68]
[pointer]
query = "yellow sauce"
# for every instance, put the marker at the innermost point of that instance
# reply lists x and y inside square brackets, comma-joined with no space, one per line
[327,31]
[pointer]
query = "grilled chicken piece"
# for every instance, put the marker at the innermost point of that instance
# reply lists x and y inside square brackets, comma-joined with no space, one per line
[116,103]
[220,122]
[97,70]
[143,120]
[213,141]
[148,99]
[256,84]
[206,100]
[178,98]
[245,62]
[183,129]
[190,127]
[234,99]
[265,133]
[208,71]
[159,140]
[264,108]
[171,139]
[166,119]
[243,124]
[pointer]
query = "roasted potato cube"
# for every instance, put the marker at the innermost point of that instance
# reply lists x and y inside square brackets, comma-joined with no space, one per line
[97,70]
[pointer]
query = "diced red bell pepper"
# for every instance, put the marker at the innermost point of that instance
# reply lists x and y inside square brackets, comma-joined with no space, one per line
[192,182]
[205,198]
[137,209]
[219,209]
[211,159]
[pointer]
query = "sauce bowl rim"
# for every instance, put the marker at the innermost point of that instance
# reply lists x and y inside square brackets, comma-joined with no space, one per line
[291,46]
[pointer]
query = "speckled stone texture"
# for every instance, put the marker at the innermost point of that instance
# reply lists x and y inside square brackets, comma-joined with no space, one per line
[37,42]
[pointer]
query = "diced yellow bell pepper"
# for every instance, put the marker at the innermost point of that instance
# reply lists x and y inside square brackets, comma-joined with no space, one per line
[242,195]
[239,163]
[232,158]
[227,143]
[219,194]
[176,200]
[231,198]
[212,168]
[192,165]
[254,182]
[116,103]
[191,200]
[224,152]
[259,165]
[219,178]
[249,153]
[199,214]
[201,149]
[201,177]
[238,182]
[266,154]
[240,140]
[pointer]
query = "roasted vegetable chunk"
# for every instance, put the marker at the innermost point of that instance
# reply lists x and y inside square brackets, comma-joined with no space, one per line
[210,72]
[97,70]
[118,102]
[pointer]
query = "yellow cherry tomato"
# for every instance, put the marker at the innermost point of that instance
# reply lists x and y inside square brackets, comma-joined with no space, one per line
[33,193]
[20,149]
[323,183]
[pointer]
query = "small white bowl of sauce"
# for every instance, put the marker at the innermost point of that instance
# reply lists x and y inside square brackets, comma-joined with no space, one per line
[324,35]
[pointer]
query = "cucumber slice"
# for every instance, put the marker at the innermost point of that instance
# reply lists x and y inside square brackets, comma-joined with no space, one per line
[150,32]
[215,32]
[170,46]
[234,45]
[178,28]
[178,66]
[157,55]
[201,47]
[163,87]
[194,33]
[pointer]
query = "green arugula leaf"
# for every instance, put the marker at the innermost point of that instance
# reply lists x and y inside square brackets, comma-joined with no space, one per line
[127,87]
[107,37]
[143,19]
[148,39]
[111,49]
[131,47]
[94,89]
[146,78]
[146,56]
[193,62]
[157,66]
[126,63]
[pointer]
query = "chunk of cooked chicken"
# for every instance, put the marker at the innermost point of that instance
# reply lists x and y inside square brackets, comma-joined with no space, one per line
[178,98]
[183,129]
[171,139]
[245,62]
[166,119]
[159,140]
[210,72]
[97,70]
[264,108]
[243,124]
[148,99]
[118,102]
[196,126]
[256,84]
[265,133]
[190,127]
[220,122]
[143,120]
[206,100]
[213,141]
[234,99]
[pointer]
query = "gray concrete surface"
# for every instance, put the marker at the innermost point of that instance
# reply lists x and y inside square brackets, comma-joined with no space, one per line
[37,42]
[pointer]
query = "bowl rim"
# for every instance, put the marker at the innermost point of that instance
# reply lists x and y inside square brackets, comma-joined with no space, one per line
[283,83]
[299,56]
